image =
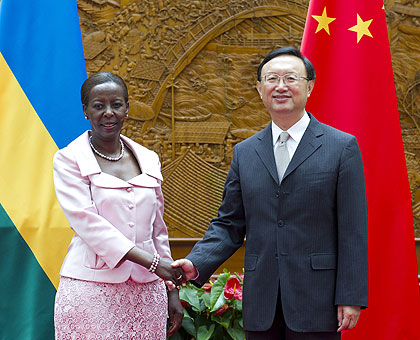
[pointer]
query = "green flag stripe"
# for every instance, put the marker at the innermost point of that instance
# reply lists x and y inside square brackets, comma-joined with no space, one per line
[26,293]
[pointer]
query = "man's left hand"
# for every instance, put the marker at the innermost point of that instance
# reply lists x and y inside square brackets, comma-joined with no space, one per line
[347,317]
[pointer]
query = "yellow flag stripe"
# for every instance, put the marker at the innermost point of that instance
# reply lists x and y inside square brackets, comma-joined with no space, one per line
[26,179]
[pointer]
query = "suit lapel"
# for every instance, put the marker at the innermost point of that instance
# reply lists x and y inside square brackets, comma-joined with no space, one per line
[307,146]
[264,149]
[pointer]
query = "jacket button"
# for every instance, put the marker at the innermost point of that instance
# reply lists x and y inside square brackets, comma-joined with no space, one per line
[130,206]
[129,189]
[277,194]
[280,223]
[131,224]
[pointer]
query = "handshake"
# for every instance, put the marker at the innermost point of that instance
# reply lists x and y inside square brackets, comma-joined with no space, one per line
[175,273]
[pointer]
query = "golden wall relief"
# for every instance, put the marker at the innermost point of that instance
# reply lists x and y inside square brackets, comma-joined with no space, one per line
[404,29]
[191,70]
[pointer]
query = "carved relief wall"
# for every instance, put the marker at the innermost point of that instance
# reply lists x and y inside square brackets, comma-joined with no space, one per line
[191,68]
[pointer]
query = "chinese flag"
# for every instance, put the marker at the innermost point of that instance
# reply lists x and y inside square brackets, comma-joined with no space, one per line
[347,42]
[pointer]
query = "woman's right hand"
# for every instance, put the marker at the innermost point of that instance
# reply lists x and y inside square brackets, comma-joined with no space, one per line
[165,271]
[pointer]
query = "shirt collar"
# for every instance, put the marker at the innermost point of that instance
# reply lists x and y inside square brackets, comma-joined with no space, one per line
[296,131]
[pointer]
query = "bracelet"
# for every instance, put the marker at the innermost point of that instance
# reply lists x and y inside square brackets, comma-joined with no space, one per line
[155,262]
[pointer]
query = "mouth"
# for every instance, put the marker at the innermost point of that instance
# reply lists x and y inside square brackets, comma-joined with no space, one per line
[109,125]
[281,98]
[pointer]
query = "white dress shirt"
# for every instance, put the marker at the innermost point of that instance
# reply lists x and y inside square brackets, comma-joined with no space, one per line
[295,134]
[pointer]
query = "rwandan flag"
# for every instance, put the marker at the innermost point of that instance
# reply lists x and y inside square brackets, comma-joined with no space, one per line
[41,70]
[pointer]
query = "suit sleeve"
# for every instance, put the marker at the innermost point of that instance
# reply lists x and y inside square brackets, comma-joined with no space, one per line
[226,232]
[352,262]
[73,194]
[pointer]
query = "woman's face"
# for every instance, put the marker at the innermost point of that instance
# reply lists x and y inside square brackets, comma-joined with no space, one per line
[106,110]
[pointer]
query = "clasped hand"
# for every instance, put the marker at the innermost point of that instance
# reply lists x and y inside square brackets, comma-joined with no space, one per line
[173,276]
[188,272]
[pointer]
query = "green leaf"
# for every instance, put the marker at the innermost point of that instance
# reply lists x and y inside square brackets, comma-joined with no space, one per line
[223,319]
[204,332]
[220,333]
[241,322]
[236,333]
[189,294]
[237,304]
[217,296]
[177,336]
[188,325]
[206,299]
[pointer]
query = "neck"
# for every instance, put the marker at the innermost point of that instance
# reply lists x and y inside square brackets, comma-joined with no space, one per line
[286,121]
[109,147]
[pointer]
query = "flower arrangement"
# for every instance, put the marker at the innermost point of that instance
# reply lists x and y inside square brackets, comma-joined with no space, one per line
[213,311]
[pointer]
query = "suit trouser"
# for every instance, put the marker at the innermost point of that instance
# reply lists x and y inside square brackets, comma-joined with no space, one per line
[280,331]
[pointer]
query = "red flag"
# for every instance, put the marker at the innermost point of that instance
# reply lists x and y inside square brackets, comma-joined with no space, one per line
[347,42]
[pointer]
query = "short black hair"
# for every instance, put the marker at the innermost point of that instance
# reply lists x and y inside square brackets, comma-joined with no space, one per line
[310,70]
[101,78]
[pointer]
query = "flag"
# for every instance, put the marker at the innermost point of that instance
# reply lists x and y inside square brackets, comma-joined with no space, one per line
[354,91]
[41,70]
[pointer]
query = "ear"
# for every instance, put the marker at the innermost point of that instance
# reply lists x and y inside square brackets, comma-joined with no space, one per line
[259,88]
[311,84]
[126,111]
[84,111]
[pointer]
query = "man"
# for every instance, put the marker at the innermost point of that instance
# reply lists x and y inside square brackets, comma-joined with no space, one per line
[305,220]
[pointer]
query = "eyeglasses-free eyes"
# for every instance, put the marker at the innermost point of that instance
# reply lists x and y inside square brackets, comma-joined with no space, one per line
[289,79]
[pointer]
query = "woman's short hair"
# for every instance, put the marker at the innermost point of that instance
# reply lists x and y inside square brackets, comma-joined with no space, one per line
[101,78]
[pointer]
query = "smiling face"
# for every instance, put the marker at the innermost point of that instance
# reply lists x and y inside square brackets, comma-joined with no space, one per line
[285,102]
[106,110]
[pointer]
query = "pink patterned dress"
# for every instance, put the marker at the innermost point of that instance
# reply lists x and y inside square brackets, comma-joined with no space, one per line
[110,311]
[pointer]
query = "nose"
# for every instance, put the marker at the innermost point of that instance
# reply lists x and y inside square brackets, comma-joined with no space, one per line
[281,83]
[108,111]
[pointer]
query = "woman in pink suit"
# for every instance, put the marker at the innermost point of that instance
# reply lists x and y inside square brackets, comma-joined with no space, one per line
[112,279]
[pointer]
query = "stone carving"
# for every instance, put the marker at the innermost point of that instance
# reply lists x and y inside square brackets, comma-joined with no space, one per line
[190,68]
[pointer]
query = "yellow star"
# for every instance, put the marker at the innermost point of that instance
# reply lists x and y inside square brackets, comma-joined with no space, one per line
[362,28]
[323,21]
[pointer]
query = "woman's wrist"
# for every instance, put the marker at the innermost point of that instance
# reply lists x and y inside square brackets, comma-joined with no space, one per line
[155,263]
[140,257]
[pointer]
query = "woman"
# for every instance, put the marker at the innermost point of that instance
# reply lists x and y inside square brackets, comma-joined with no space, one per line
[109,189]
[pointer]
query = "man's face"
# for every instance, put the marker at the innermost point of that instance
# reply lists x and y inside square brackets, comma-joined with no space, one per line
[281,99]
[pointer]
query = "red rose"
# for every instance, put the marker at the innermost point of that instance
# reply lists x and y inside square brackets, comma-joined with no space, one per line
[222,309]
[233,289]
[207,288]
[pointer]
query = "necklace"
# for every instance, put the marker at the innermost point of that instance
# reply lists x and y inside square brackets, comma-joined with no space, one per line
[112,159]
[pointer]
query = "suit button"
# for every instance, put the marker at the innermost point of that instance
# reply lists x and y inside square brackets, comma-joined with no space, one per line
[130,206]
[131,224]
[280,223]
[277,194]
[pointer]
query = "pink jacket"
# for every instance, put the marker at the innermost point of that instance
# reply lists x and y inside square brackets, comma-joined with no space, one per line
[108,215]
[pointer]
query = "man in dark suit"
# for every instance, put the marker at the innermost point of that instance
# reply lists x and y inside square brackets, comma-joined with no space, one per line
[305,220]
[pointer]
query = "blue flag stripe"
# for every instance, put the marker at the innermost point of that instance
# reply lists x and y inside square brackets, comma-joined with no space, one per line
[41,42]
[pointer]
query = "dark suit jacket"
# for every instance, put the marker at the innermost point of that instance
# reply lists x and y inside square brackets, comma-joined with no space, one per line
[306,235]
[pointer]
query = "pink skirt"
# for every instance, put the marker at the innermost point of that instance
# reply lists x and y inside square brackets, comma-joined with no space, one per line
[110,311]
